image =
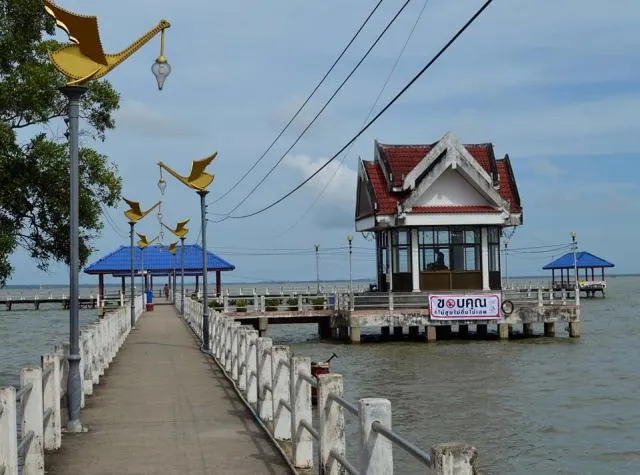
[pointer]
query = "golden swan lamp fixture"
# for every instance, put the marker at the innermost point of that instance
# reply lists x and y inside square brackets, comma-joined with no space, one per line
[135,213]
[144,242]
[198,178]
[181,229]
[84,59]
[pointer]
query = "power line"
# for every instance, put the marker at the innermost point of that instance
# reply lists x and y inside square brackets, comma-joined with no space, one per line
[315,89]
[375,118]
[304,131]
[373,106]
[112,223]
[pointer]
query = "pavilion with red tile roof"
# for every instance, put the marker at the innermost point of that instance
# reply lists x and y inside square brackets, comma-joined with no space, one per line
[437,212]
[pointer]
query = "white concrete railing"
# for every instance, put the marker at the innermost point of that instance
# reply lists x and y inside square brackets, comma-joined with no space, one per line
[40,412]
[278,387]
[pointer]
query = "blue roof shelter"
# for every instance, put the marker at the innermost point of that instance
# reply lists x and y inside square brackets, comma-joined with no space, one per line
[156,260]
[583,260]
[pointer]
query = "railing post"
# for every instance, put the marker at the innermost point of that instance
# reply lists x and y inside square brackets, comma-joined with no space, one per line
[390,300]
[280,385]
[8,431]
[301,411]
[87,361]
[331,421]
[262,304]
[235,330]
[51,400]
[242,359]
[300,302]
[540,301]
[32,420]
[563,294]
[265,398]
[454,458]
[376,451]
[251,366]
[222,343]
[227,347]
[225,303]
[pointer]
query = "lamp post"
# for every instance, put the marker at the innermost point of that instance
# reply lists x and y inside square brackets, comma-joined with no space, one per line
[134,214]
[317,270]
[576,287]
[350,239]
[181,232]
[198,180]
[173,247]
[506,265]
[80,62]
[143,243]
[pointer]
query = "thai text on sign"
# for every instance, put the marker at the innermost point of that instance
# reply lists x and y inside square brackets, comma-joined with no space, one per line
[464,307]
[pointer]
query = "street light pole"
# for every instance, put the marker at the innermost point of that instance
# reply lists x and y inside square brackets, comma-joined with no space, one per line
[350,239]
[74,386]
[132,295]
[506,265]
[205,298]
[143,287]
[182,275]
[576,287]
[317,270]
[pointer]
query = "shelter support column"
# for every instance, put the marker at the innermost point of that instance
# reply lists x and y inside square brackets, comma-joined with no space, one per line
[197,283]
[484,246]
[415,260]
[218,283]
[123,286]
[101,286]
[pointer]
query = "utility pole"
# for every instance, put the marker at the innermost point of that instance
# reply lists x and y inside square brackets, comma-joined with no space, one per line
[506,264]
[317,269]
[576,287]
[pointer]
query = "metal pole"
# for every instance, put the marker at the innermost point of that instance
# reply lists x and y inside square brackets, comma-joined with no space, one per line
[74,387]
[205,300]
[506,265]
[350,280]
[182,277]
[575,268]
[133,273]
[144,287]
[317,270]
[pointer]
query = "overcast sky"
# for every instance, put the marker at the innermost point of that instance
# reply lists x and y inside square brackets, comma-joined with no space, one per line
[553,83]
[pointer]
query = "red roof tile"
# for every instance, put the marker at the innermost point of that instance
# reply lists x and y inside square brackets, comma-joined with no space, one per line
[401,159]
[404,158]
[508,189]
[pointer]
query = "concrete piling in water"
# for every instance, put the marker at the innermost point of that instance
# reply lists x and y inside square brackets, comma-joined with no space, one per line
[431,332]
[549,329]
[263,325]
[355,334]
[454,458]
[527,329]
[574,329]
[503,331]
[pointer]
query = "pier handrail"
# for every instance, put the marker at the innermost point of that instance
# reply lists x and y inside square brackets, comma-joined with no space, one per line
[36,407]
[277,386]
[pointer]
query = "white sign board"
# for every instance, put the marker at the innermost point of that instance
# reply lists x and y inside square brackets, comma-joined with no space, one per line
[464,307]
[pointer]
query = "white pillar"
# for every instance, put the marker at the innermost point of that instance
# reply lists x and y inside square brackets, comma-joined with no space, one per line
[331,421]
[376,451]
[242,359]
[280,385]
[252,366]
[301,411]
[8,431]
[484,251]
[415,260]
[32,420]
[51,400]
[265,398]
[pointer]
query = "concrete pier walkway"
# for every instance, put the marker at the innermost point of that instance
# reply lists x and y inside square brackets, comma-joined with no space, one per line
[165,408]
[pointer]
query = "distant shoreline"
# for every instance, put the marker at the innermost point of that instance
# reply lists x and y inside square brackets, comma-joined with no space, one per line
[271,282]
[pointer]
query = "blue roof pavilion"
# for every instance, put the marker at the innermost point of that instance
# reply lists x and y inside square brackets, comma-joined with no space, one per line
[156,260]
[583,260]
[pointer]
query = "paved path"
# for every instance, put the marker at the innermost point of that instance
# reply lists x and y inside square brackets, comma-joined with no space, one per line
[165,408]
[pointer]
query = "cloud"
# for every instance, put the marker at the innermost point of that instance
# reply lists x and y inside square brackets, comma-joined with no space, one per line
[142,119]
[546,168]
[333,190]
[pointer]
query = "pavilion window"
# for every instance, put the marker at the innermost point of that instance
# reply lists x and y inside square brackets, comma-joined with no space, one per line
[465,248]
[433,249]
[383,249]
[401,250]
[493,238]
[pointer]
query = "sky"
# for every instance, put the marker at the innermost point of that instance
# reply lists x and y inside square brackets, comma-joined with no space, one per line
[555,84]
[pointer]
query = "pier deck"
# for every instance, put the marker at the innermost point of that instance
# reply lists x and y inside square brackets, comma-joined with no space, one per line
[164,407]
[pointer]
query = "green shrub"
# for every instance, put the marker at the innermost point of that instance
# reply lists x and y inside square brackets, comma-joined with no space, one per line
[292,303]
[272,304]
[318,303]
[241,304]
[218,306]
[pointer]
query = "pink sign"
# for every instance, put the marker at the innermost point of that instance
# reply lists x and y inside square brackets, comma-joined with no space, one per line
[464,307]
